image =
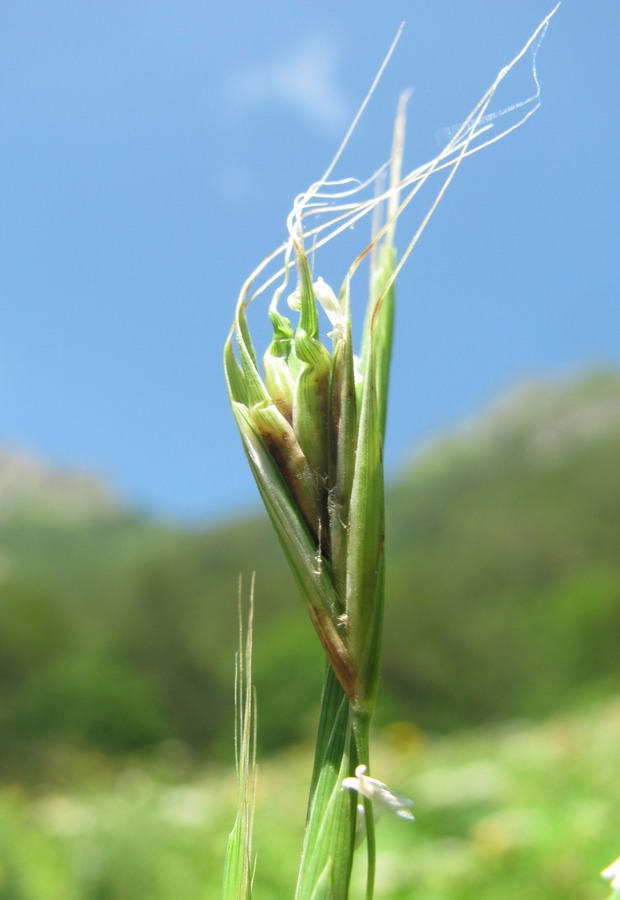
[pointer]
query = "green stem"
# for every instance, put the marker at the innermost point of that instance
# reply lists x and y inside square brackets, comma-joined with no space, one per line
[331,701]
[371,849]
[329,839]
[361,731]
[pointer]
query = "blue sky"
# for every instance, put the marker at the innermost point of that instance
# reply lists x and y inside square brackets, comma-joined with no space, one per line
[150,154]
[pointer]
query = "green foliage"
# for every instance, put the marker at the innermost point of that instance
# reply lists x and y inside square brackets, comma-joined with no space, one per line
[90,701]
[504,541]
[511,812]
[34,633]
[288,674]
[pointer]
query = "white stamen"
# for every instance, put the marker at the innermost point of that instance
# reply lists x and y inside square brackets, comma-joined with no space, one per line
[294,300]
[328,300]
[612,873]
[378,793]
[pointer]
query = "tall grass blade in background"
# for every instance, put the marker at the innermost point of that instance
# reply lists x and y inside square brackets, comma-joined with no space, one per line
[312,421]
[239,864]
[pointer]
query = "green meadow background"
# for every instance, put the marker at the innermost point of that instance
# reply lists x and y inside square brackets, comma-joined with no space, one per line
[500,705]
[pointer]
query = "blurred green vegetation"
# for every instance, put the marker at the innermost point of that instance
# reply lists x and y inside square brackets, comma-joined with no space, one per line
[512,812]
[117,634]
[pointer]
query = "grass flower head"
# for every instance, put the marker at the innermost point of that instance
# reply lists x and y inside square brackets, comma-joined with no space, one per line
[312,419]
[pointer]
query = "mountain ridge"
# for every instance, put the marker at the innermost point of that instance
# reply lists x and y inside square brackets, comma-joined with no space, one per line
[546,418]
[549,416]
[31,485]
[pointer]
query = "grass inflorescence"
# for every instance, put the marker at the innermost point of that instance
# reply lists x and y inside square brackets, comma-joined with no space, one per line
[312,418]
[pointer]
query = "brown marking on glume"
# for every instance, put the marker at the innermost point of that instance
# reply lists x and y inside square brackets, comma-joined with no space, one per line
[283,449]
[337,655]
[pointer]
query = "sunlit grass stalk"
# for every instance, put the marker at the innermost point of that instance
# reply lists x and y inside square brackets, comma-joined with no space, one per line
[312,420]
[239,863]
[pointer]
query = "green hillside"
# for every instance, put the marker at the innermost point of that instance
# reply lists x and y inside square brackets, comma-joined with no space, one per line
[504,583]
[503,597]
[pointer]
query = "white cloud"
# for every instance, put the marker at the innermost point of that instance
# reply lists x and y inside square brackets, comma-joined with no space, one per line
[305,81]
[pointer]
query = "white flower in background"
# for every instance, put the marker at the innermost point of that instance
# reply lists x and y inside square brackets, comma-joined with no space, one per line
[612,873]
[378,793]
